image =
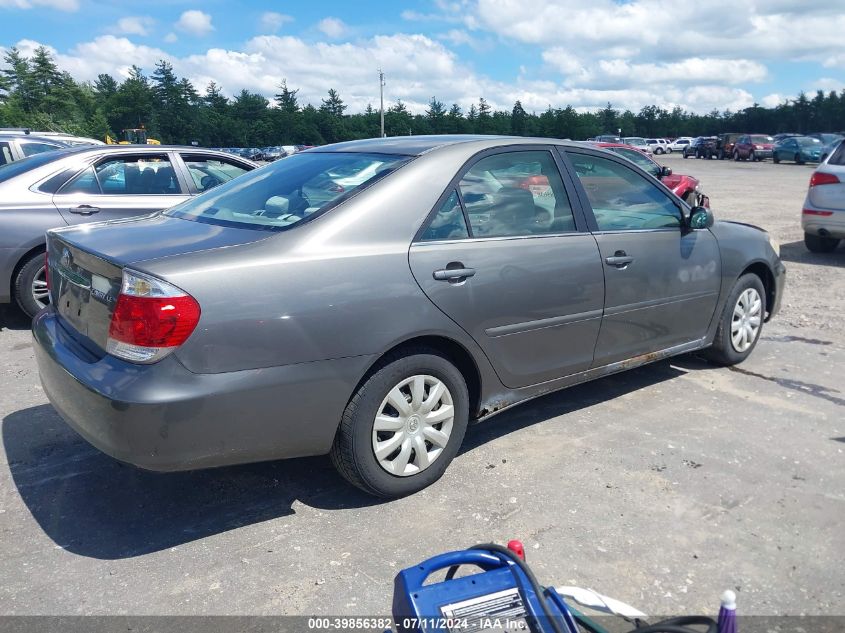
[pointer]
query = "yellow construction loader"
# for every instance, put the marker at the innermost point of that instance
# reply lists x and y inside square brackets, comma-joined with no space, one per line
[133,136]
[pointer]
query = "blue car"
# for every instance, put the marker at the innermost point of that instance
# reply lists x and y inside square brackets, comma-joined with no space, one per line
[800,149]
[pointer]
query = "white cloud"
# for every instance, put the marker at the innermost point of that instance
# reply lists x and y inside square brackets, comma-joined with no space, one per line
[771,100]
[416,68]
[134,25]
[195,22]
[171,37]
[61,5]
[271,21]
[332,27]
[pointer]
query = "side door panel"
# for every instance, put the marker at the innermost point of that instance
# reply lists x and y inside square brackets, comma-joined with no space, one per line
[667,294]
[534,304]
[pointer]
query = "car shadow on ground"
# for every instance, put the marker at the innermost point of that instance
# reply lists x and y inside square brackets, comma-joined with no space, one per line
[11,318]
[798,253]
[94,506]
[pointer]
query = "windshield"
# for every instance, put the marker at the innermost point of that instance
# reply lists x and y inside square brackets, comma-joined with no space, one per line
[13,169]
[806,140]
[286,192]
[761,138]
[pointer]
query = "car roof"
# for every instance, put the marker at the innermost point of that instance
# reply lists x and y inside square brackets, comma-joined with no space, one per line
[135,149]
[5,136]
[419,145]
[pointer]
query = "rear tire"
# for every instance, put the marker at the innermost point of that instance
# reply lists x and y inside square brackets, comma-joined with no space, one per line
[798,160]
[736,156]
[354,449]
[820,244]
[747,290]
[775,159]
[30,285]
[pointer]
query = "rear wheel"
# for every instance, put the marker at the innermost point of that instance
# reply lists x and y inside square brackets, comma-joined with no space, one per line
[798,159]
[403,426]
[741,323]
[721,154]
[775,159]
[30,286]
[736,156]
[820,244]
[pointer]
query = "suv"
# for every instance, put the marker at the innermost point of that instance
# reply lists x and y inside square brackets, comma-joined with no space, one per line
[17,146]
[753,147]
[658,145]
[725,144]
[637,141]
[701,147]
[680,143]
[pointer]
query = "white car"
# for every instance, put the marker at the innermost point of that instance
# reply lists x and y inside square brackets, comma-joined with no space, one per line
[823,215]
[638,142]
[658,145]
[680,143]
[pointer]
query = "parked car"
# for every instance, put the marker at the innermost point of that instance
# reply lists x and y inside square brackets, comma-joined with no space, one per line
[753,147]
[265,326]
[725,144]
[606,138]
[658,145]
[782,135]
[701,147]
[827,150]
[638,142]
[685,187]
[826,137]
[680,143]
[97,182]
[823,214]
[800,149]
[14,147]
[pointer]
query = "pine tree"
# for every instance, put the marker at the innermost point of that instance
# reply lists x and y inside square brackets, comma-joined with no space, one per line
[518,116]
[286,98]
[334,105]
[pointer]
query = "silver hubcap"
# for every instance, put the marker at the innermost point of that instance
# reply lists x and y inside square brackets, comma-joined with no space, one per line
[413,425]
[747,317]
[40,293]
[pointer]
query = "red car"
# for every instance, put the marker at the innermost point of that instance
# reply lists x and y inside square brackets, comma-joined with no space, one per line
[685,187]
[753,147]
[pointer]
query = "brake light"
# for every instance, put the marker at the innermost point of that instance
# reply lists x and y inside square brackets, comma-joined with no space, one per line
[151,319]
[822,178]
[816,212]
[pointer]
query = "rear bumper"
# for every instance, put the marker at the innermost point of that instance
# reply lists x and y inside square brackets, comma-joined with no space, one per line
[163,417]
[832,225]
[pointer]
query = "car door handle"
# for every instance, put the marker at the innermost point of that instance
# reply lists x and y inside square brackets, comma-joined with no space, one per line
[453,274]
[85,209]
[620,259]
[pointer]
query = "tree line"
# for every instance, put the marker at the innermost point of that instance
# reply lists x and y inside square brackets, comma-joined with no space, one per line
[35,93]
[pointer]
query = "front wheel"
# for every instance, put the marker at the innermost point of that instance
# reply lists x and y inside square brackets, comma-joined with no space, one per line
[736,156]
[798,159]
[741,323]
[403,426]
[30,288]
[819,243]
[775,159]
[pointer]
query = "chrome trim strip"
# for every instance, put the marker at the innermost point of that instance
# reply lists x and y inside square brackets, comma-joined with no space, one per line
[540,324]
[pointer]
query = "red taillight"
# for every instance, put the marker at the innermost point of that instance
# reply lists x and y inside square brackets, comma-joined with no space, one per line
[822,178]
[154,321]
[151,318]
[816,212]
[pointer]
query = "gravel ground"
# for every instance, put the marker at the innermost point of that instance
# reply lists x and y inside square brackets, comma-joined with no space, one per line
[661,486]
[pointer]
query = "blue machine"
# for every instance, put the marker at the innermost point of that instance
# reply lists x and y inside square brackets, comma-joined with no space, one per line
[502,598]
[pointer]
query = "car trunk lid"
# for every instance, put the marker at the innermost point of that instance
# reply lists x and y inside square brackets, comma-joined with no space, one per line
[86,265]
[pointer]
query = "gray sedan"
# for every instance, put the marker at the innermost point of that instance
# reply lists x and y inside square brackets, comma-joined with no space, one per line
[369,299]
[93,183]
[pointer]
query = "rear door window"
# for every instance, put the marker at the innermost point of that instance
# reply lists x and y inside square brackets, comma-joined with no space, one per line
[150,174]
[5,154]
[32,148]
[515,194]
[448,223]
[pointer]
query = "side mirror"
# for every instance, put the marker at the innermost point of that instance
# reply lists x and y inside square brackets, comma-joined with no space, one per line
[700,218]
[665,171]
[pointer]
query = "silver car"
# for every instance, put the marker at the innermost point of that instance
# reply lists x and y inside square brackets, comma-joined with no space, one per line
[369,299]
[92,183]
[823,214]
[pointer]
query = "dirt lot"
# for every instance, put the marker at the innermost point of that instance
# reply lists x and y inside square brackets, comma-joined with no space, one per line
[661,486]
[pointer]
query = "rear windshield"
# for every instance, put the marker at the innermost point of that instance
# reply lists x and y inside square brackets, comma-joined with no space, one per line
[284,193]
[808,141]
[761,138]
[11,170]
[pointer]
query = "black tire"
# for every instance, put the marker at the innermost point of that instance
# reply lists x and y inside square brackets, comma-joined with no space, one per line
[798,160]
[736,156]
[775,158]
[721,154]
[753,157]
[24,279]
[722,351]
[658,151]
[685,154]
[352,452]
[820,244]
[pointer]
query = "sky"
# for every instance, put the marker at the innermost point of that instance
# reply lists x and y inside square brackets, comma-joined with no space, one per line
[696,54]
